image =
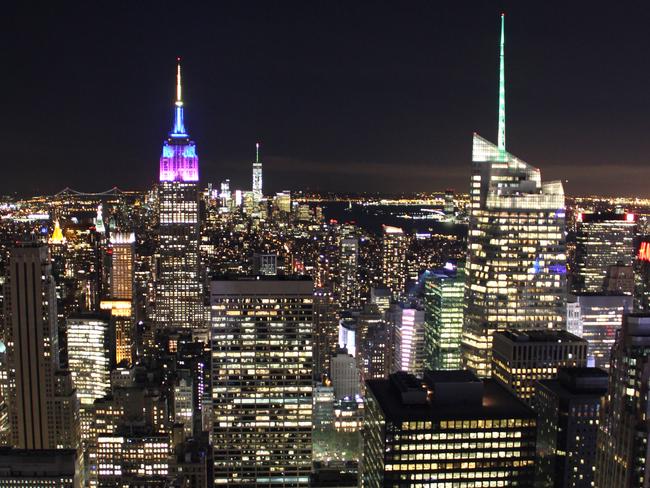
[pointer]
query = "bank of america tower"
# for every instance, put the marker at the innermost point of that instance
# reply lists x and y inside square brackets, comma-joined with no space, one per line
[516,263]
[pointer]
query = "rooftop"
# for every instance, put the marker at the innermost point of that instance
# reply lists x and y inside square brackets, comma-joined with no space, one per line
[497,402]
[545,335]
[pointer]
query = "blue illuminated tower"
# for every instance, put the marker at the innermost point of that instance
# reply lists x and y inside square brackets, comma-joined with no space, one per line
[178,298]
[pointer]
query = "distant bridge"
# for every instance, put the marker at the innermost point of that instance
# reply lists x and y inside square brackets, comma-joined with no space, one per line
[112,192]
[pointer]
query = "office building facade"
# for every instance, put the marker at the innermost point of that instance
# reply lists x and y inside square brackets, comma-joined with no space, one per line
[456,430]
[568,411]
[602,240]
[596,317]
[521,358]
[262,381]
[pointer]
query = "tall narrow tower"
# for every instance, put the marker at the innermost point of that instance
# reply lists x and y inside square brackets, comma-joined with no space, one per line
[178,299]
[516,261]
[43,408]
[257,175]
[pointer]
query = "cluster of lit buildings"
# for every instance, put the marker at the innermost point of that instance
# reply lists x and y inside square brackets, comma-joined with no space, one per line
[205,336]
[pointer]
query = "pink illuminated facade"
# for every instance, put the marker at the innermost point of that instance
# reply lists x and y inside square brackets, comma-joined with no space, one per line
[179,161]
[178,288]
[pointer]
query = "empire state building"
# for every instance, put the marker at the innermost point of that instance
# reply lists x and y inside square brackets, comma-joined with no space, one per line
[178,292]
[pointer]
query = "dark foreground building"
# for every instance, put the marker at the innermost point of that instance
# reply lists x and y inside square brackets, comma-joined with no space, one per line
[449,429]
[54,468]
[568,409]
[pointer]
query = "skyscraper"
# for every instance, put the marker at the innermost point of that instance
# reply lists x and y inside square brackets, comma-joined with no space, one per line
[602,240]
[122,297]
[90,357]
[178,297]
[623,455]
[443,318]
[568,411]
[258,193]
[407,321]
[455,430]
[326,329]
[521,358]
[262,381]
[43,407]
[348,272]
[516,263]
[393,260]
[596,317]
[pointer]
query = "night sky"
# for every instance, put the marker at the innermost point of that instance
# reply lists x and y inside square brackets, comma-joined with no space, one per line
[344,95]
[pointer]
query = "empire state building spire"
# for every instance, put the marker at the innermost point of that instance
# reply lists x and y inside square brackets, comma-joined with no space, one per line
[179,125]
[179,161]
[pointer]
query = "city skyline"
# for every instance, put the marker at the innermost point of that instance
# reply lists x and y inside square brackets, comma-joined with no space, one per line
[406,130]
[369,300]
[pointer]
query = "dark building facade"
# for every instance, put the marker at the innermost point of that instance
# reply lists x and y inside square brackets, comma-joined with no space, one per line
[568,411]
[449,429]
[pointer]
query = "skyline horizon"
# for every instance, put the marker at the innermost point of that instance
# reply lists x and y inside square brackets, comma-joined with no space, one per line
[387,150]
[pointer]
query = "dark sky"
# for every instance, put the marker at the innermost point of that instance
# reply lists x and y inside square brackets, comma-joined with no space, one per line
[344,95]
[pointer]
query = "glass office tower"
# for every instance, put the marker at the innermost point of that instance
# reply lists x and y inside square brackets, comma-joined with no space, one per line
[443,320]
[516,263]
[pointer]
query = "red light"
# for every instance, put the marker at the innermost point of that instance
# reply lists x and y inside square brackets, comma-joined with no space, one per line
[644,252]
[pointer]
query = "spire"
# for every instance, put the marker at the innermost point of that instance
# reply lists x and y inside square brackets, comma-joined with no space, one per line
[257,152]
[179,125]
[501,142]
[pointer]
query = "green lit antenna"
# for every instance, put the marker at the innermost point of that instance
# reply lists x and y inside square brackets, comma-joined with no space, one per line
[501,142]
[257,152]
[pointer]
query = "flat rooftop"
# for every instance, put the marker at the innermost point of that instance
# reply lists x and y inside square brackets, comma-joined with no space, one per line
[545,335]
[497,403]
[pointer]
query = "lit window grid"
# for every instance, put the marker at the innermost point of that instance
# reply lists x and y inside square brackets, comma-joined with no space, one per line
[262,357]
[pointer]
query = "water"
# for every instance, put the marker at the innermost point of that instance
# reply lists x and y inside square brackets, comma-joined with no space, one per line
[372,217]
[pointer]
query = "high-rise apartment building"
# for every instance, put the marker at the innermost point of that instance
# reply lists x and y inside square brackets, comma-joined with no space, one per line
[444,304]
[623,455]
[568,411]
[516,263]
[43,406]
[262,381]
[393,260]
[521,358]
[455,430]
[178,297]
[348,276]
[596,317]
[602,240]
